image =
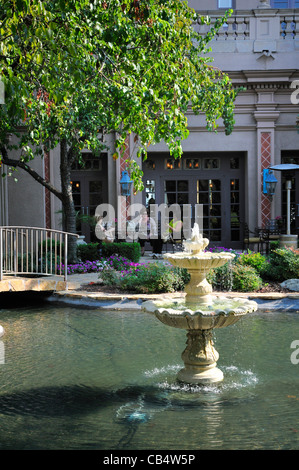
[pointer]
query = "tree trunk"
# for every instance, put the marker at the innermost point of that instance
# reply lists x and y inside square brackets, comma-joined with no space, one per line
[68,202]
[65,195]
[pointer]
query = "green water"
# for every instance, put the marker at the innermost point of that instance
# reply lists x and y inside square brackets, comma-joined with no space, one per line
[93,379]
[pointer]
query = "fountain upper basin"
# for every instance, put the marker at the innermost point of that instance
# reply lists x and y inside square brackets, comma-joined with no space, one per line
[199,261]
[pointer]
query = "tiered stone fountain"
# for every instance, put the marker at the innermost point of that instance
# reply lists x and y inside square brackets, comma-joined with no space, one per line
[200,312]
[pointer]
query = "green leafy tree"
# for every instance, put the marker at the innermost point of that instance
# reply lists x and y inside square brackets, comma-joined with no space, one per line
[75,70]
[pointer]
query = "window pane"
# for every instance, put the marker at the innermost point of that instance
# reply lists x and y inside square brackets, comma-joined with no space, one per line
[172,164]
[202,198]
[234,163]
[95,199]
[235,235]
[75,187]
[215,223]
[216,211]
[170,185]
[149,164]
[280,4]
[215,198]
[192,163]
[215,185]
[211,163]
[95,186]
[225,3]
[183,198]
[202,185]
[150,191]
[77,199]
[170,198]
[182,185]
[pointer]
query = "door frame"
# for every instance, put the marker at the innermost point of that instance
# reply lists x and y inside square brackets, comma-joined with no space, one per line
[225,174]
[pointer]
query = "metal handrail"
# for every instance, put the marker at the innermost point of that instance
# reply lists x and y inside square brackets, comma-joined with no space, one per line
[33,250]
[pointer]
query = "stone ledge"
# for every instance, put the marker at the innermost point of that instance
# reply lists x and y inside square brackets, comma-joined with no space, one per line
[34,285]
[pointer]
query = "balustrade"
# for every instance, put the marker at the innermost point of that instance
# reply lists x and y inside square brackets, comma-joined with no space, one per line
[33,251]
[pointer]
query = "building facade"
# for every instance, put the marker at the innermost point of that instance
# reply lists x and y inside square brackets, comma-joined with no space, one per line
[259,48]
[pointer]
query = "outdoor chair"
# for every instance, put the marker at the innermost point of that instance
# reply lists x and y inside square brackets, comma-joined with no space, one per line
[259,237]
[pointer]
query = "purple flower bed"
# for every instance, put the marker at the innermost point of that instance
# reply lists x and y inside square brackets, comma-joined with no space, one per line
[118,263]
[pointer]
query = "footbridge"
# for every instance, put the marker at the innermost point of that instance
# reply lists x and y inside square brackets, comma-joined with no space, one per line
[33,259]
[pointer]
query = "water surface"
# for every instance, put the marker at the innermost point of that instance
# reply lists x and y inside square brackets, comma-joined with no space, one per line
[92,379]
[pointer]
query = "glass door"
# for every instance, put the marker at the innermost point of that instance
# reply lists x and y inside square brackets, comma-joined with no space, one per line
[212,179]
[89,184]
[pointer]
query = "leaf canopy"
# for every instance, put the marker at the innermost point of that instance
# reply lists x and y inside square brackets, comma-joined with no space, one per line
[77,69]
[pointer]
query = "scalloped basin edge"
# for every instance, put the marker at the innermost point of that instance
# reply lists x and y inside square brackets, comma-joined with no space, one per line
[223,312]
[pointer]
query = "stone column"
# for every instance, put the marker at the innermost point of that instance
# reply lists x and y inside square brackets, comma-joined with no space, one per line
[123,202]
[266,116]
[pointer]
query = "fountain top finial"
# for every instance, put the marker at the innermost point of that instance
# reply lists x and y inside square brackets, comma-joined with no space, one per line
[196,244]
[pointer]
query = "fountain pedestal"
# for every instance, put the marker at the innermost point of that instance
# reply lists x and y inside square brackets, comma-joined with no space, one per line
[200,359]
[198,290]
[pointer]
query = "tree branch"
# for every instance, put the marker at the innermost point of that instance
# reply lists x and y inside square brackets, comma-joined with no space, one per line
[19,164]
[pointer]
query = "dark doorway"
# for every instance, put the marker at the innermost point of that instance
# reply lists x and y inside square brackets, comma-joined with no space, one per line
[89,182]
[215,180]
[290,156]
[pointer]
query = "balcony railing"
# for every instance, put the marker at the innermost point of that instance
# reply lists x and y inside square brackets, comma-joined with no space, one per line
[243,25]
[32,251]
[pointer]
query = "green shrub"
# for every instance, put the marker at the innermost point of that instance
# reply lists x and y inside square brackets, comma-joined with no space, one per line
[130,251]
[110,277]
[221,278]
[147,278]
[153,278]
[88,252]
[282,264]
[245,278]
[45,264]
[46,244]
[255,260]
[274,244]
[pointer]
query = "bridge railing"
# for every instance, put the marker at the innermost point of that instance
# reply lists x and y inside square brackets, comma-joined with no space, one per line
[33,251]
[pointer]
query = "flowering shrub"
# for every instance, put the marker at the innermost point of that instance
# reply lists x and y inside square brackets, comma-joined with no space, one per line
[245,273]
[85,267]
[146,278]
[115,262]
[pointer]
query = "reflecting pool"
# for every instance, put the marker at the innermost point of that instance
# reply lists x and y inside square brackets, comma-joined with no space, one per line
[95,379]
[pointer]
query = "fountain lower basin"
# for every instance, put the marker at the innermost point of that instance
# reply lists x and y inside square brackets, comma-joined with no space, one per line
[221,313]
[200,356]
